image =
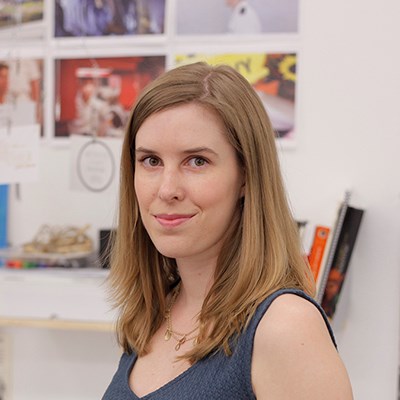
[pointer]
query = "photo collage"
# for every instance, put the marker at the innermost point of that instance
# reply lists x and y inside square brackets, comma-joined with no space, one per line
[82,73]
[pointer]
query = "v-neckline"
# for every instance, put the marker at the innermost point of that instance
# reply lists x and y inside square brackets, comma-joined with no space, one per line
[165,386]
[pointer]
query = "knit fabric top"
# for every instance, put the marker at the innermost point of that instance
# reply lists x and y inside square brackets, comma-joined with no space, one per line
[215,377]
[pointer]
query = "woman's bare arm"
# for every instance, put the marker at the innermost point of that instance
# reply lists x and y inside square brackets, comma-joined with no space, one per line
[294,357]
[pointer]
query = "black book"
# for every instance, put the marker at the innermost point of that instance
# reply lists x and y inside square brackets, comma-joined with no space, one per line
[341,259]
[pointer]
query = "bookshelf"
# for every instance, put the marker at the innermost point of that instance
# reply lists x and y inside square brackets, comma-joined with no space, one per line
[55,324]
[55,298]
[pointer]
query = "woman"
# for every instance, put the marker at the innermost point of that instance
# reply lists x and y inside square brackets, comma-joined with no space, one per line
[206,245]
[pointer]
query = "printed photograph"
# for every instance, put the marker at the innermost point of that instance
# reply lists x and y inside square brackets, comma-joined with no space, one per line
[21,92]
[108,17]
[94,96]
[246,17]
[23,16]
[273,76]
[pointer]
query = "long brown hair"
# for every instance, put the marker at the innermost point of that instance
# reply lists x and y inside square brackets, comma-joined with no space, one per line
[262,251]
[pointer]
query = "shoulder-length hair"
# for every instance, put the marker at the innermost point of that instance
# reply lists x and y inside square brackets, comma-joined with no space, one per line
[262,251]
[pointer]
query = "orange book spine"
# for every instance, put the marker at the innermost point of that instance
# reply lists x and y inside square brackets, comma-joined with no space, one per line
[317,249]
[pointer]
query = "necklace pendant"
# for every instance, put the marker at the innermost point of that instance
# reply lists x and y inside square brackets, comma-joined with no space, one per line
[181,341]
[167,335]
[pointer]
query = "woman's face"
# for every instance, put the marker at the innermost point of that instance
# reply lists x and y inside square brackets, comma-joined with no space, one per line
[187,181]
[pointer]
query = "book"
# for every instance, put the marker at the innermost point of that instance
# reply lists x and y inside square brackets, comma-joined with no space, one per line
[343,251]
[3,215]
[301,226]
[318,248]
[331,245]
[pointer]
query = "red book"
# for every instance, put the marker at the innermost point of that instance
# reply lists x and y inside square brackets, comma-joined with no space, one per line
[317,249]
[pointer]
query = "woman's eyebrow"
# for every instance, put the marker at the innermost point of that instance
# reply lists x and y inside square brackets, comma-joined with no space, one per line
[193,150]
[200,150]
[144,150]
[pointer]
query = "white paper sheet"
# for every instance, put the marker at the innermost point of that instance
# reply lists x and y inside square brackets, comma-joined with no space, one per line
[19,153]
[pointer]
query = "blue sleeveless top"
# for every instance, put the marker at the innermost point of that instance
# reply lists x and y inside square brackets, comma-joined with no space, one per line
[215,377]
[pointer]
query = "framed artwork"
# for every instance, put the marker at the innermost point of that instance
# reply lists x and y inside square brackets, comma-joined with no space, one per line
[272,75]
[78,18]
[244,17]
[94,96]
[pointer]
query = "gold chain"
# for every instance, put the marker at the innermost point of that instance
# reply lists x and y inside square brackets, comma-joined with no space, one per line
[180,338]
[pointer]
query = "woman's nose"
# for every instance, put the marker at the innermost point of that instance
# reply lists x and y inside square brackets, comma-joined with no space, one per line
[171,187]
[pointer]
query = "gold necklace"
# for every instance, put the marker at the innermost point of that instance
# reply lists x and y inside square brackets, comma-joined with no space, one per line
[181,338]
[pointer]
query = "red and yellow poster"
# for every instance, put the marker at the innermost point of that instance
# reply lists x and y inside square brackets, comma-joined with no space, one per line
[273,76]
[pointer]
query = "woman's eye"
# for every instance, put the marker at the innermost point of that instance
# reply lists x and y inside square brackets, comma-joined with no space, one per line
[151,161]
[197,162]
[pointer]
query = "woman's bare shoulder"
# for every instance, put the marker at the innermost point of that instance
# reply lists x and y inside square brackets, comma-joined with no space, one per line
[294,355]
[291,311]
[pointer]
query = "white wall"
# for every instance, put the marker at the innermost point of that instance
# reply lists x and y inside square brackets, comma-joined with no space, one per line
[50,200]
[61,365]
[349,136]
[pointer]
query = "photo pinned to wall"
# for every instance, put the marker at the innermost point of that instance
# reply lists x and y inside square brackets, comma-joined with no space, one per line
[21,19]
[94,96]
[245,17]
[80,18]
[95,163]
[273,76]
[21,92]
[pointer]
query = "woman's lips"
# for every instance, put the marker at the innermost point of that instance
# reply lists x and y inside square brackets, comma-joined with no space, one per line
[171,220]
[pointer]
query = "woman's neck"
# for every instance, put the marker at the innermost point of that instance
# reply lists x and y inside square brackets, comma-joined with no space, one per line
[196,281]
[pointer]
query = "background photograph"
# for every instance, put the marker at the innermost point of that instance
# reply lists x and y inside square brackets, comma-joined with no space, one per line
[21,92]
[24,15]
[94,96]
[108,17]
[273,76]
[211,17]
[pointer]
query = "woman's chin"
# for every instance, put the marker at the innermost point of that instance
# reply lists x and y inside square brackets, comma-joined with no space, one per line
[172,253]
